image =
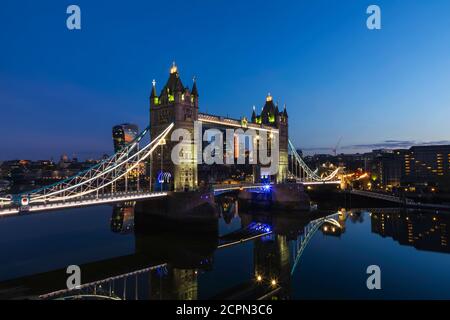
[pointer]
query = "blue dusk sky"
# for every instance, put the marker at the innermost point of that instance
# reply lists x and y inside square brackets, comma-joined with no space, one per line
[61,91]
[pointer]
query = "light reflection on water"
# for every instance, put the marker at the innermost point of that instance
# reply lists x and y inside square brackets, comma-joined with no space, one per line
[410,248]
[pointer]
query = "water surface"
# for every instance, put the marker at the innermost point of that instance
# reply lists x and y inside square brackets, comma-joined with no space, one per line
[411,248]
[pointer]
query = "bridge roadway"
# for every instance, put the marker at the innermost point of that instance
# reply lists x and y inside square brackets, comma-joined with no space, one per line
[241,186]
[251,232]
[84,201]
[381,196]
[107,198]
[403,201]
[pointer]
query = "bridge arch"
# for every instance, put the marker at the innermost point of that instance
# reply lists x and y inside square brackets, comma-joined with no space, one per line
[310,230]
[88,182]
[307,174]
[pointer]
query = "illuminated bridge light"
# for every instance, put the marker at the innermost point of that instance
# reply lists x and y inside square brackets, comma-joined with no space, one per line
[164,177]
[261,227]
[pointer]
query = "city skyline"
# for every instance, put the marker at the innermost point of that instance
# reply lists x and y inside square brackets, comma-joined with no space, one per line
[374,89]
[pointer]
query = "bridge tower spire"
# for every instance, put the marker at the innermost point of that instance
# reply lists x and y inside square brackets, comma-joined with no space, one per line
[254,114]
[282,124]
[271,116]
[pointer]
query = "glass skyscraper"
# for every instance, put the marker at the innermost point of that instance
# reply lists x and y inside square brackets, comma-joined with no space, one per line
[124,134]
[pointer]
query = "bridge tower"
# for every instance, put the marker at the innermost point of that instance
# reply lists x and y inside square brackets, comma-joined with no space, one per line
[179,105]
[282,125]
[271,262]
[272,116]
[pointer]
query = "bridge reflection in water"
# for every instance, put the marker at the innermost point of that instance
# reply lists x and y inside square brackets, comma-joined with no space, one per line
[170,265]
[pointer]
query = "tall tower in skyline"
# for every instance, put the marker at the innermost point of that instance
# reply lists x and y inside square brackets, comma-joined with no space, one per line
[124,134]
[179,105]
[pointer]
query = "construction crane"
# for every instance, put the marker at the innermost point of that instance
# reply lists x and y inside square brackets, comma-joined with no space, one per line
[336,147]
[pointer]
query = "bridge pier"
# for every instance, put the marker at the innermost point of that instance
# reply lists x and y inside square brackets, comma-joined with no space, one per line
[290,196]
[195,210]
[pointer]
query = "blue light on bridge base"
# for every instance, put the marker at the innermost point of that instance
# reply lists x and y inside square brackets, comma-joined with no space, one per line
[261,227]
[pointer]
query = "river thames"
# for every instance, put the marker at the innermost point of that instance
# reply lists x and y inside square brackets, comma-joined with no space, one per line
[107,242]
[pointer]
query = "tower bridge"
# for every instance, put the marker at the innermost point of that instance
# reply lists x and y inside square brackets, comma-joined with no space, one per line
[179,105]
[175,107]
